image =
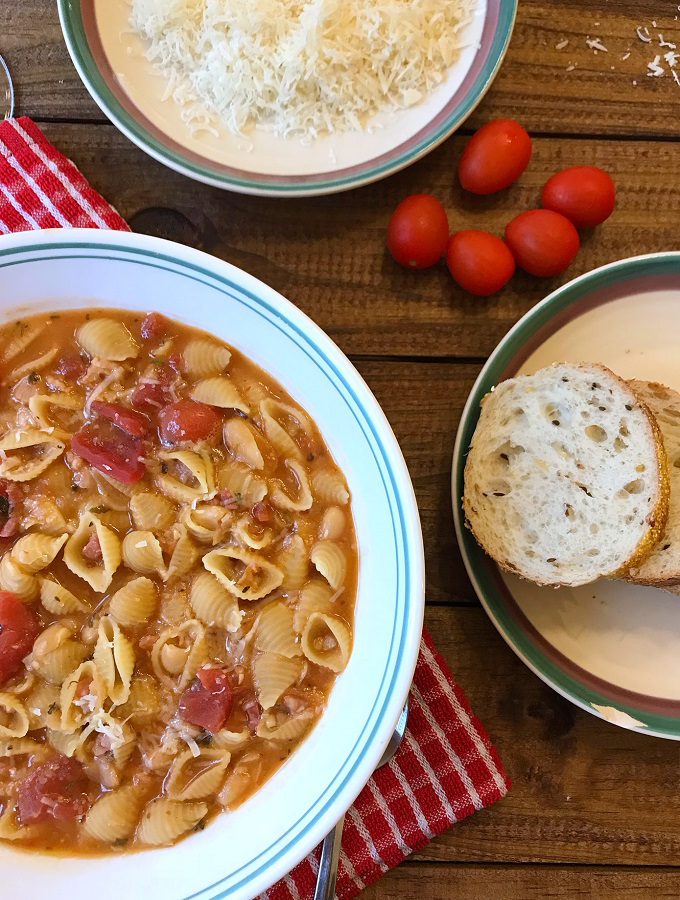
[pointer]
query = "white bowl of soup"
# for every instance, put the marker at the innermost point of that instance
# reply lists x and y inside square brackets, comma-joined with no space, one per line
[211,574]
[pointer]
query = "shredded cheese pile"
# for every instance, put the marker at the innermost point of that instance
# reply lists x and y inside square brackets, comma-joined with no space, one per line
[298,67]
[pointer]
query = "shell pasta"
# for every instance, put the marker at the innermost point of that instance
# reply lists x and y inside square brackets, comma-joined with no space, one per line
[178,572]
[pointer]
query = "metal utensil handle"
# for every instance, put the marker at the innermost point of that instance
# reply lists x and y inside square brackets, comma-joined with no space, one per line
[328,865]
[330,849]
[9,90]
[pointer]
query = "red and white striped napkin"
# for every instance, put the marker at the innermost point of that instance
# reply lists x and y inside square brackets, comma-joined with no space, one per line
[446,767]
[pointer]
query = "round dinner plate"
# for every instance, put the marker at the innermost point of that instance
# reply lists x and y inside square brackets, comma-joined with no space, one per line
[110,61]
[610,647]
[241,853]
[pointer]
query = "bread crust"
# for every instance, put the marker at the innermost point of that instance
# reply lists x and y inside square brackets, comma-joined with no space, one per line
[660,515]
[628,572]
[656,520]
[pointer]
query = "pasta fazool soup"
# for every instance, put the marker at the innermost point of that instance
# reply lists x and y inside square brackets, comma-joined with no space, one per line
[177,579]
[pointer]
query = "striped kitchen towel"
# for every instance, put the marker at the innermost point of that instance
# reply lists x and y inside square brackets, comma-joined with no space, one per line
[446,767]
[445,770]
[41,188]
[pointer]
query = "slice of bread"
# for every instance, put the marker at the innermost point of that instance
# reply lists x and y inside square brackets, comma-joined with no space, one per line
[662,567]
[566,479]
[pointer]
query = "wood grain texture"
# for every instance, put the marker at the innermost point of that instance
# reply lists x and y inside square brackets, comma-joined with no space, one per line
[465,882]
[594,810]
[583,791]
[328,254]
[534,84]
[424,413]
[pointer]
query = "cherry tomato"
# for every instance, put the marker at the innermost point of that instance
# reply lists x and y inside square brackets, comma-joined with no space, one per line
[110,450]
[187,420]
[494,157]
[154,327]
[586,195]
[479,262]
[123,417]
[18,630]
[543,242]
[418,232]
[56,789]
[208,700]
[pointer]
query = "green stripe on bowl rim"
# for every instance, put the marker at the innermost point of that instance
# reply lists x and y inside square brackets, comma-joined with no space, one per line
[493,48]
[564,304]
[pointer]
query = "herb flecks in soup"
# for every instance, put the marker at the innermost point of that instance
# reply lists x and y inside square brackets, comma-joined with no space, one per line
[178,572]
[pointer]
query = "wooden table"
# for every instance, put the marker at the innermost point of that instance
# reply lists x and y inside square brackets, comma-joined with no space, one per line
[594,810]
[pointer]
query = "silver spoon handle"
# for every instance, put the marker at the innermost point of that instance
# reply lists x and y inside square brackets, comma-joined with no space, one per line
[328,865]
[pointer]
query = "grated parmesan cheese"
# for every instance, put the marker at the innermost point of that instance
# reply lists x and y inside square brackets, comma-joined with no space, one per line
[96,392]
[299,67]
[192,745]
[104,723]
[655,70]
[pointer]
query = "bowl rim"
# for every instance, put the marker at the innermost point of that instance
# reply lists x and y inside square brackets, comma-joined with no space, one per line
[401,665]
[482,572]
[241,181]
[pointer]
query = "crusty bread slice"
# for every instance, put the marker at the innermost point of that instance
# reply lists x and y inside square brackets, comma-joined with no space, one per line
[662,566]
[566,479]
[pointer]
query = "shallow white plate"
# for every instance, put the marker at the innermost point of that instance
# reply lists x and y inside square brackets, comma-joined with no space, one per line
[610,647]
[110,60]
[240,854]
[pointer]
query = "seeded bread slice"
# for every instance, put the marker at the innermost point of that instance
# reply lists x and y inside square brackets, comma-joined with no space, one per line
[566,479]
[662,567]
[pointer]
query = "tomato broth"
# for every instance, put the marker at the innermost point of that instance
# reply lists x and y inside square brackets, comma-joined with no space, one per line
[178,578]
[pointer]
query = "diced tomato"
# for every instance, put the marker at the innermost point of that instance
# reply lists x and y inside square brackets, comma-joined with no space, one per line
[262,512]
[110,450]
[187,420]
[227,499]
[175,362]
[154,327]
[132,422]
[83,688]
[149,396]
[19,628]
[93,549]
[252,711]
[208,700]
[213,679]
[166,372]
[56,789]
[71,367]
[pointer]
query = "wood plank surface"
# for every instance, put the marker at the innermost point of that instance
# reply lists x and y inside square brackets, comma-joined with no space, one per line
[328,254]
[525,883]
[424,414]
[596,97]
[594,810]
[583,791]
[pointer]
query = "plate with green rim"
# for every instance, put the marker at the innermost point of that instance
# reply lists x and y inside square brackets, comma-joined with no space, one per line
[610,647]
[110,60]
